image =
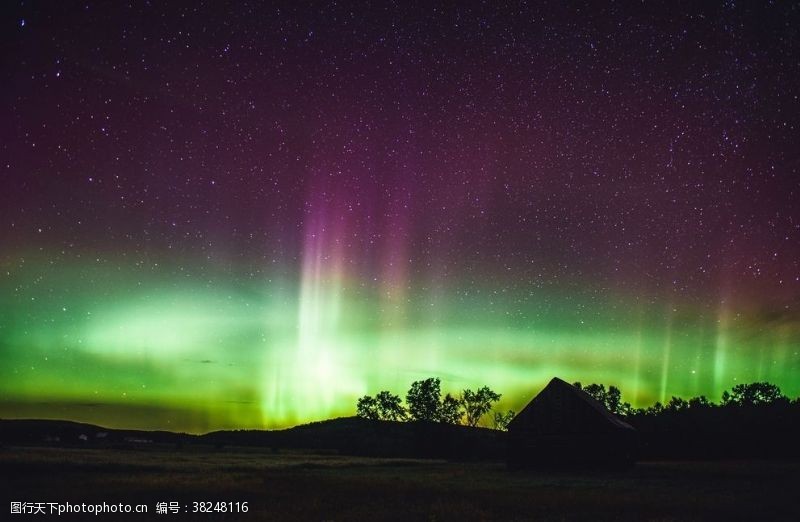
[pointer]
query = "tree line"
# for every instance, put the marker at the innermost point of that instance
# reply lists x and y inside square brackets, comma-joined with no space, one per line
[742,395]
[424,402]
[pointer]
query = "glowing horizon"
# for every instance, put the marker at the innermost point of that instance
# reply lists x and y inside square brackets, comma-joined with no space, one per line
[269,357]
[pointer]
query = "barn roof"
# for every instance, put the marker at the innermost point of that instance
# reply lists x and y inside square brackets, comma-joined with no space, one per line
[561,386]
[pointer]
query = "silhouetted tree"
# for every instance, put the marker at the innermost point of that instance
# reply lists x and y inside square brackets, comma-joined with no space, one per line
[450,410]
[676,404]
[611,398]
[654,410]
[423,399]
[699,402]
[753,394]
[389,406]
[477,404]
[367,407]
[501,420]
[596,391]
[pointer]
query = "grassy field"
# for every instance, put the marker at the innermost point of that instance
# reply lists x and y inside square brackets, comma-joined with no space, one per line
[297,486]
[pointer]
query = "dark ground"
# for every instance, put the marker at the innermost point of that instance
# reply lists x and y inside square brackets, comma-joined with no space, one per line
[303,486]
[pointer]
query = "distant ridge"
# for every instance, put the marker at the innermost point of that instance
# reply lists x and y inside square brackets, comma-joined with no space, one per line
[344,435]
[44,431]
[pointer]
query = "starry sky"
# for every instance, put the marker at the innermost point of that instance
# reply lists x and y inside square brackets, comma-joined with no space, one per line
[246,214]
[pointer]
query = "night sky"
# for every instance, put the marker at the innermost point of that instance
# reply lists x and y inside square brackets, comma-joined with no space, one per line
[225,215]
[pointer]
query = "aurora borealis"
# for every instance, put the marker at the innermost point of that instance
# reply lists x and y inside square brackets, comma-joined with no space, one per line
[234,215]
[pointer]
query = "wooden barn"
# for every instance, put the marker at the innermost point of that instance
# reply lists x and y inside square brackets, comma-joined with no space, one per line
[564,426]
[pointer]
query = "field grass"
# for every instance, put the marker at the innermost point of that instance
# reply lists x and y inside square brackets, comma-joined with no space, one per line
[298,486]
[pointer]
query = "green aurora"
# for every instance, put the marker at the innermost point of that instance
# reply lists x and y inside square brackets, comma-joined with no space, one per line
[147,349]
[248,215]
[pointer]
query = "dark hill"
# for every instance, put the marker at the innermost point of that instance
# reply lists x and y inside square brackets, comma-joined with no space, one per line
[346,435]
[358,436]
[62,432]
